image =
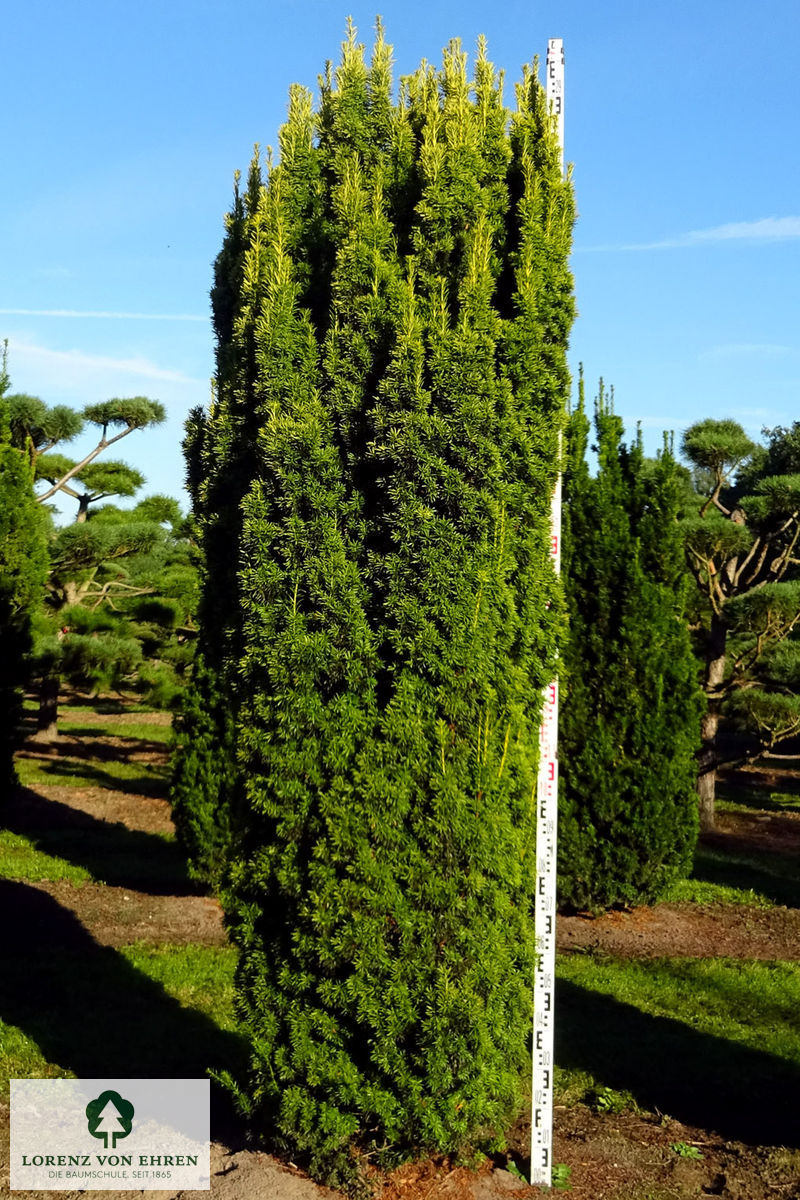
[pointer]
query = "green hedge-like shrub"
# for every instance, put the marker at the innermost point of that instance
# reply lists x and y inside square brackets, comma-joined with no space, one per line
[372,489]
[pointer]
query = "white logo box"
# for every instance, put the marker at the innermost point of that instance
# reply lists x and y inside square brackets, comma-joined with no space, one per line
[147,1135]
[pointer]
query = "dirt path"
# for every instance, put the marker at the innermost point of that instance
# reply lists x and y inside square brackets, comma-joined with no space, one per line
[687,931]
[115,915]
[118,914]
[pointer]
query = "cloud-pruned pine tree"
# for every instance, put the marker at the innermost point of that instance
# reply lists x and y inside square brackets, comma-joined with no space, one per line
[630,718]
[741,548]
[372,490]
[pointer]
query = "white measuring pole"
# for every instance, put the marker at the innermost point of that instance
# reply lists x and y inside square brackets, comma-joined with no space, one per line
[555,88]
[547,806]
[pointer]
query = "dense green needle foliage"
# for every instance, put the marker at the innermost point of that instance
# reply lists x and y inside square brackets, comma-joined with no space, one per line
[372,491]
[23,569]
[630,719]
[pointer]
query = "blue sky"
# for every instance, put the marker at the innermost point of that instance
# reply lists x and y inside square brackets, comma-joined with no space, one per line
[124,123]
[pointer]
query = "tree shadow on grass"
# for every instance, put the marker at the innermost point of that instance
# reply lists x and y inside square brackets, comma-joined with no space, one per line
[770,874]
[152,782]
[762,791]
[90,1012]
[94,744]
[741,1094]
[111,852]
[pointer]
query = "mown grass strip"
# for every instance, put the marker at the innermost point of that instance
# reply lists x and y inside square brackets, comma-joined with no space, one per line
[770,878]
[69,1006]
[200,977]
[109,854]
[21,1058]
[20,858]
[762,879]
[750,1003]
[138,731]
[147,779]
[701,891]
[740,796]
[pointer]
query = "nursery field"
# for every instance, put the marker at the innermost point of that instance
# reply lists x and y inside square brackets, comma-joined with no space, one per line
[678,1043]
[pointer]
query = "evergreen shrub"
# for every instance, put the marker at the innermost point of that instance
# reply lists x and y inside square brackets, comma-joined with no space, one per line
[23,570]
[629,725]
[372,497]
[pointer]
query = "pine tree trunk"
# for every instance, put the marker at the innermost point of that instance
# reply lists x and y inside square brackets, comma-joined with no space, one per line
[47,721]
[708,758]
[707,777]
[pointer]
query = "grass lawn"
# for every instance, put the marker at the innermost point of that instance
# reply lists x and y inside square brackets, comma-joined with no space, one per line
[741,795]
[762,878]
[69,1006]
[758,878]
[142,1010]
[141,779]
[21,859]
[120,728]
[712,1042]
[703,891]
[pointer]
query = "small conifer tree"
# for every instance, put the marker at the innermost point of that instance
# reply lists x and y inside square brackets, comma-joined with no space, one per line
[23,570]
[631,709]
[372,489]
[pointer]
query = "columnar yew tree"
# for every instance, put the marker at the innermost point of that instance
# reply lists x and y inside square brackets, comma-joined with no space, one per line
[219,452]
[631,706]
[372,491]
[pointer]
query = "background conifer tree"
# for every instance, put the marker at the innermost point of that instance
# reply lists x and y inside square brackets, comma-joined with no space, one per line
[372,492]
[36,428]
[217,449]
[117,610]
[23,569]
[629,723]
[741,548]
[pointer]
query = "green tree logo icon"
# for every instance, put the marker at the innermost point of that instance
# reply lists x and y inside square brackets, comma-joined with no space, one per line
[109,1116]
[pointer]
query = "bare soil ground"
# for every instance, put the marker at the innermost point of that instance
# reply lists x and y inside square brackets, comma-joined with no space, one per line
[687,931]
[610,1156]
[117,916]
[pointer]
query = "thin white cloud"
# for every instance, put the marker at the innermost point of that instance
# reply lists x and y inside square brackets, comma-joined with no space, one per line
[767,229]
[43,370]
[113,316]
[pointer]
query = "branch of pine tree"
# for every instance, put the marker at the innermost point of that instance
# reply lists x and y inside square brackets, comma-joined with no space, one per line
[715,500]
[745,582]
[103,444]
